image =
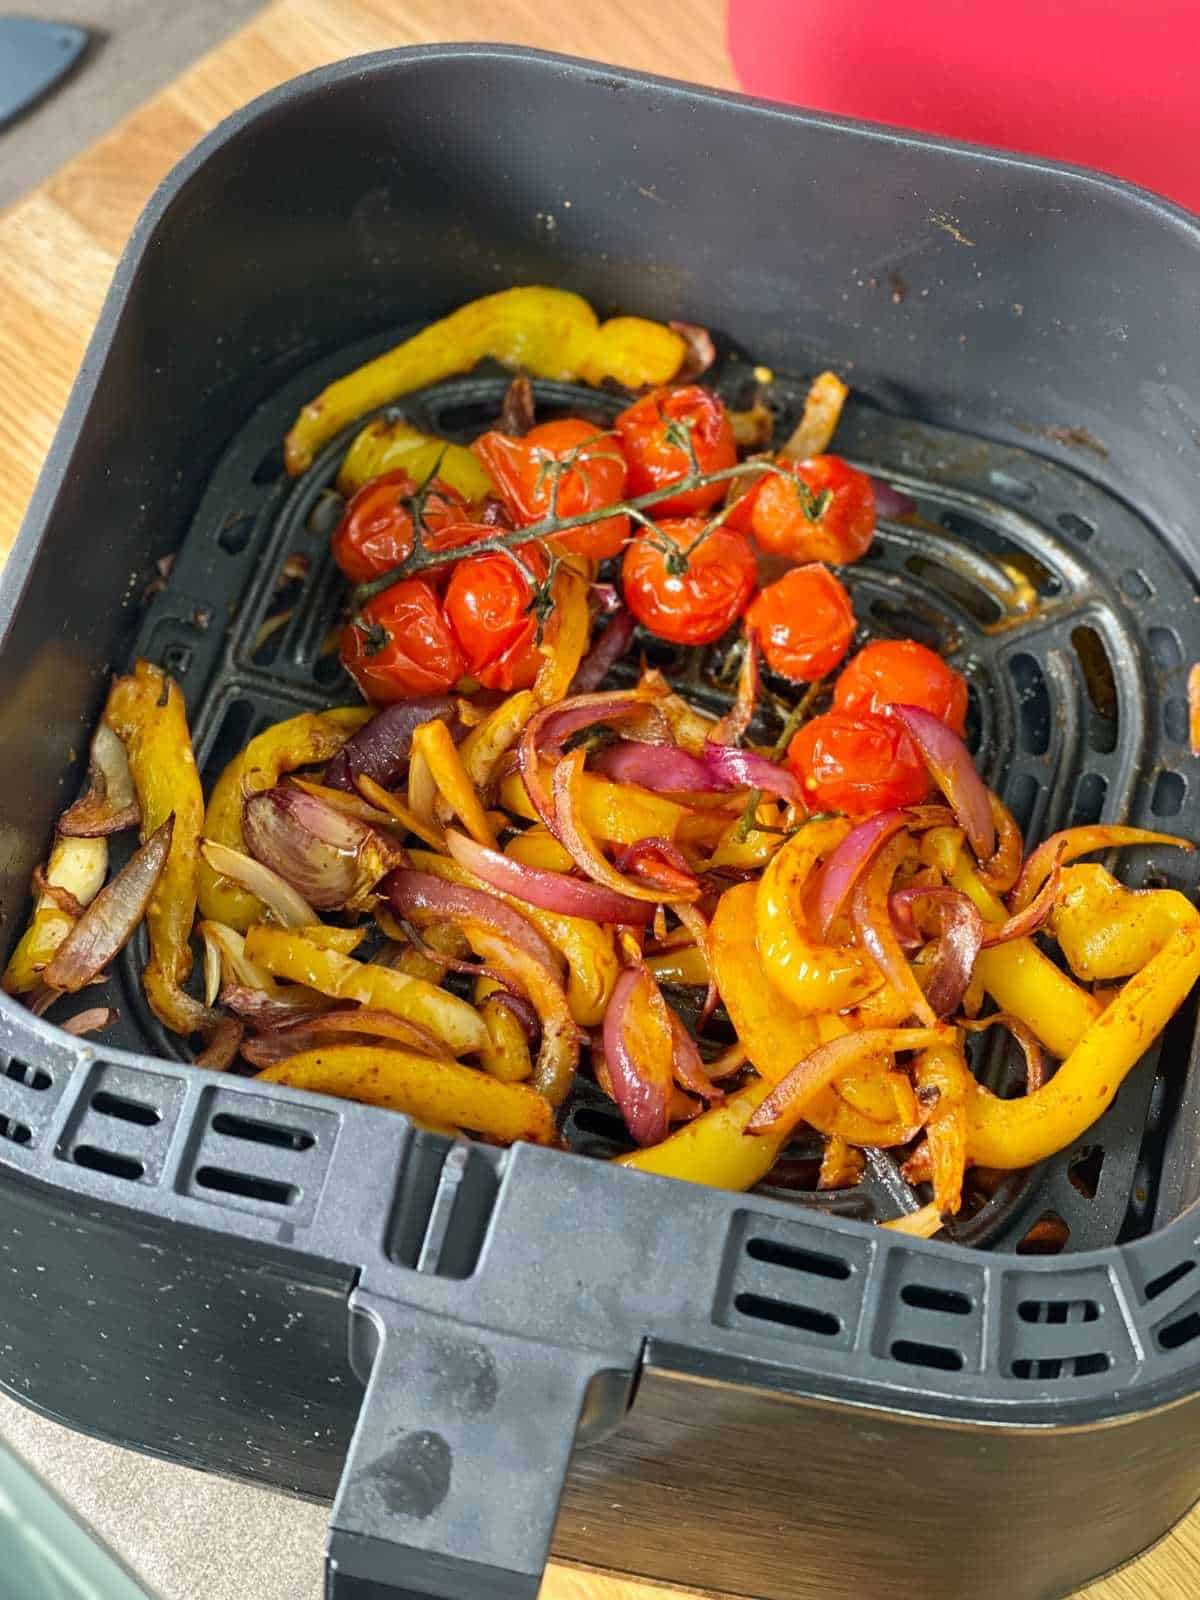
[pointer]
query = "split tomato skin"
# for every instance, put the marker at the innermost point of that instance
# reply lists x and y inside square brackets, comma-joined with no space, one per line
[779,510]
[685,585]
[857,763]
[903,672]
[375,534]
[804,623]
[649,431]
[488,605]
[584,462]
[401,645]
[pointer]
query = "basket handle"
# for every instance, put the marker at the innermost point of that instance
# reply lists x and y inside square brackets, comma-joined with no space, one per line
[453,1479]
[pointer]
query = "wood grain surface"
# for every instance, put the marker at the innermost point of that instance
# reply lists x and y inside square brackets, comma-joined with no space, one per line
[58,247]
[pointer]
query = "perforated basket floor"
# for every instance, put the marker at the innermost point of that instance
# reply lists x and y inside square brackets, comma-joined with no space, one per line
[1071,618]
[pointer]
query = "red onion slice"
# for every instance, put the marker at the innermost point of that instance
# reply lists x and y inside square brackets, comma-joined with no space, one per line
[574,836]
[951,768]
[605,652]
[549,730]
[959,942]
[420,896]
[639,1052]
[738,718]
[662,768]
[734,768]
[538,886]
[380,750]
[1072,843]
[844,866]
[660,862]
[688,1064]
[107,924]
[891,502]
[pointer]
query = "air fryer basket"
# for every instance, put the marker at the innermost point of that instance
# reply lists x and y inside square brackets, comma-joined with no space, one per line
[1021,341]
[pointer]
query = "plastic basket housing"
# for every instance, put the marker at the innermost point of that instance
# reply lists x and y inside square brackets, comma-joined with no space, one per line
[499,1354]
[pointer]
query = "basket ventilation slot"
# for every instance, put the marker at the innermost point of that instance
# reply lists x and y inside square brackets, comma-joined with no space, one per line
[258,1154]
[777,1285]
[447,1196]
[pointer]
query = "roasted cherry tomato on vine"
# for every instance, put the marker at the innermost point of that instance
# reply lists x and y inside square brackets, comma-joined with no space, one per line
[376,530]
[858,763]
[401,645]
[488,605]
[804,622]
[902,672]
[653,434]
[686,585]
[563,468]
[821,509]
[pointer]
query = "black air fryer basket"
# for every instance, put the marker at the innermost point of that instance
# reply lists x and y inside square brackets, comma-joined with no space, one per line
[491,1355]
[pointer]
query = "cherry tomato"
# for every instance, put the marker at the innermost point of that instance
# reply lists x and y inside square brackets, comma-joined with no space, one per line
[487,605]
[902,672]
[401,645]
[804,622]
[858,763]
[688,598]
[776,511]
[376,531]
[650,431]
[524,472]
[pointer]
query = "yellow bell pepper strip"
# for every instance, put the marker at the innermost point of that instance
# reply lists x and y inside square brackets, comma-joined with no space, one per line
[422,790]
[713,1149]
[867,1090]
[537,847]
[494,736]
[816,978]
[944,1082]
[789,1100]
[774,1034]
[566,636]
[620,813]
[398,812]
[146,712]
[1075,842]
[1107,931]
[326,937]
[687,963]
[286,955]
[79,868]
[384,446]
[301,741]
[1022,980]
[736,848]
[586,948]
[438,1093]
[506,1054]
[432,741]
[1018,1133]
[441,939]
[822,411]
[558,1053]
[549,333]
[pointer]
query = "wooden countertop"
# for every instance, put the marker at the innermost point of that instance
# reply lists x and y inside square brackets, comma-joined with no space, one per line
[58,247]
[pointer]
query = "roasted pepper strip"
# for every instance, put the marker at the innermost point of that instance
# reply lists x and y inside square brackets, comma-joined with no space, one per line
[1017,1133]
[558,1053]
[815,977]
[566,640]
[301,741]
[1022,980]
[432,741]
[78,866]
[773,1032]
[944,1079]
[384,446]
[686,964]
[1107,931]
[437,1093]
[506,1054]
[537,847]
[494,736]
[621,813]
[586,947]
[287,955]
[714,1149]
[549,333]
[146,712]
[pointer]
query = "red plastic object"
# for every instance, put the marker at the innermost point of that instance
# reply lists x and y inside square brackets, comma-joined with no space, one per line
[1101,83]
